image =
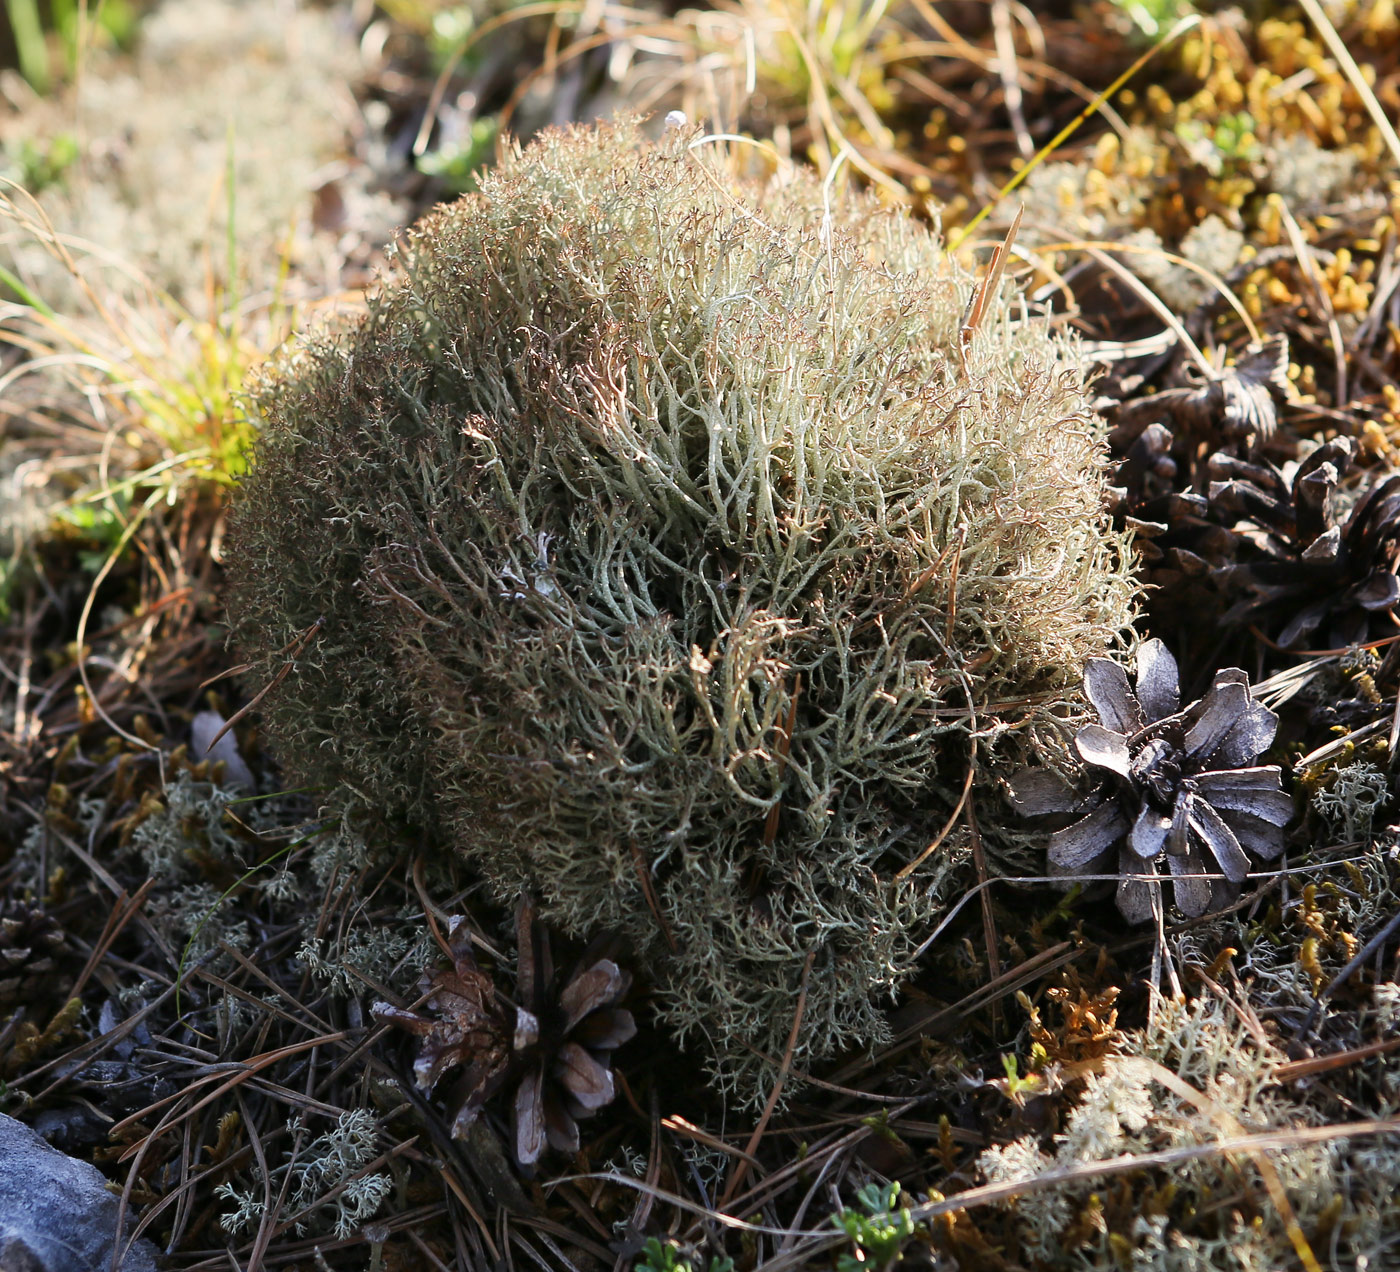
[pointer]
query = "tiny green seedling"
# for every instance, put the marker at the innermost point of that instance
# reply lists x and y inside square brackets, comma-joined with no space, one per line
[1017,1086]
[666,1256]
[879,1233]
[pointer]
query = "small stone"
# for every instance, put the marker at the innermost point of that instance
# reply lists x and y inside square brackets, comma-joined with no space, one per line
[56,1214]
[203,730]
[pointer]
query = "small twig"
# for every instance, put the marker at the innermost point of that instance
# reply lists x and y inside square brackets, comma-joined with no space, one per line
[1295,1069]
[989,922]
[1337,745]
[680,1126]
[953,585]
[1307,263]
[654,905]
[296,645]
[741,1167]
[125,909]
[235,1077]
[1353,73]
[770,827]
[948,825]
[1010,75]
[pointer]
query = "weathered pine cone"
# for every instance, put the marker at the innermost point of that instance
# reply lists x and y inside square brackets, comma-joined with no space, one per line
[1304,568]
[564,1039]
[554,1045]
[32,946]
[469,1029]
[1267,547]
[1170,446]
[1175,786]
[1160,438]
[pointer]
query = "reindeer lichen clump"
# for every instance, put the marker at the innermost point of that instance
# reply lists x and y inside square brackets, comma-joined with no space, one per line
[655,540]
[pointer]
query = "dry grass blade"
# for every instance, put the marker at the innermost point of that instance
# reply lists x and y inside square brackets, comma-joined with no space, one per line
[1157,307]
[938,839]
[1296,1069]
[244,1072]
[519,13]
[1152,344]
[988,289]
[988,59]
[1339,50]
[989,924]
[701,1136]
[1338,745]
[1307,265]
[653,904]
[1010,76]
[113,557]
[293,647]
[1065,133]
[826,1153]
[939,1019]
[1272,1182]
[123,911]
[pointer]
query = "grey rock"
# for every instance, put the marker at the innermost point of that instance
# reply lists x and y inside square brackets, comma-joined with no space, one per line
[56,1214]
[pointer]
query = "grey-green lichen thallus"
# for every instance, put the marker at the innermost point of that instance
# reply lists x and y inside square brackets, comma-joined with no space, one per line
[670,550]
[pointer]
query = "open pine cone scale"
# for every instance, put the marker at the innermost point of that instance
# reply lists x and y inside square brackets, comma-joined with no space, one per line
[565,1034]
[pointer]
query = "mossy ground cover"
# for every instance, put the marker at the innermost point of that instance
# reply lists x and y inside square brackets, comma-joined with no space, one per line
[1057,1088]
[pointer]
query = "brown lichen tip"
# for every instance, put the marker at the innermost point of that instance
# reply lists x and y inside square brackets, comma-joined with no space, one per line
[554,1045]
[1175,785]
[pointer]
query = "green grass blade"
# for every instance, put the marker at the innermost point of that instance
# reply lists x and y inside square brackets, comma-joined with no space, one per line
[31,48]
[1065,133]
[26,296]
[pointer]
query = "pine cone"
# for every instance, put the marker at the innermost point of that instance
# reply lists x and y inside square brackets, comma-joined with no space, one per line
[556,1053]
[1175,786]
[564,1038]
[1170,447]
[32,964]
[1302,569]
[1161,435]
[1265,546]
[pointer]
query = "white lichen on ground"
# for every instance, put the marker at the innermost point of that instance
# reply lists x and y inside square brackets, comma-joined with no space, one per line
[334,1158]
[1341,1187]
[252,90]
